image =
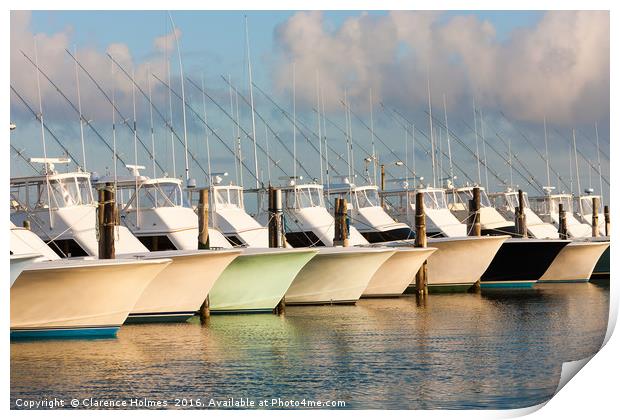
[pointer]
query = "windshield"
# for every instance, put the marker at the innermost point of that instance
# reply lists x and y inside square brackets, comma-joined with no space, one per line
[303,197]
[565,201]
[229,198]
[367,198]
[435,200]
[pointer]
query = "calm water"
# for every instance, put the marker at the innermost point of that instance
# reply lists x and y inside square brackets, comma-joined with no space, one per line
[500,349]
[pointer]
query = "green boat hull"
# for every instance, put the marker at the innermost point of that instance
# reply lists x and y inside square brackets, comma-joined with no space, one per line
[256,283]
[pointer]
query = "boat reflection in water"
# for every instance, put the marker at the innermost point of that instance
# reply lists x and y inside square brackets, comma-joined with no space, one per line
[454,351]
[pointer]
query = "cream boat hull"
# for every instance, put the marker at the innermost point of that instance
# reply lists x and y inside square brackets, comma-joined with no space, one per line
[19,263]
[179,290]
[78,297]
[336,275]
[458,263]
[575,262]
[257,280]
[395,275]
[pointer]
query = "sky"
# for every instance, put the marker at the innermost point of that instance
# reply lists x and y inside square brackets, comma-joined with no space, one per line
[520,68]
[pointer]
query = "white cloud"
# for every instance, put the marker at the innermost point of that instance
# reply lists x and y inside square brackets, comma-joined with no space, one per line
[558,68]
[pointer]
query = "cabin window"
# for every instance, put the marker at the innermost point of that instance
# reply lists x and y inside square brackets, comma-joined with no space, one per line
[157,243]
[435,200]
[229,198]
[367,198]
[586,205]
[67,248]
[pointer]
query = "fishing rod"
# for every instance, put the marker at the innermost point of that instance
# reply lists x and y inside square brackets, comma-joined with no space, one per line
[199,117]
[259,147]
[378,138]
[297,124]
[88,122]
[47,129]
[125,120]
[529,178]
[260,117]
[392,111]
[343,131]
[157,111]
[583,157]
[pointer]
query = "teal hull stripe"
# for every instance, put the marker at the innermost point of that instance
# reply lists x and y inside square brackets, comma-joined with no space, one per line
[89,332]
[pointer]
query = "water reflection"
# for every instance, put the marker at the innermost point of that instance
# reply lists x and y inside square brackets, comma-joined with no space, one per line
[498,349]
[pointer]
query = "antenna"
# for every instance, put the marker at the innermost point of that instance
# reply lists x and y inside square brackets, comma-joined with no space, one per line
[598,153]
[174,31]
[372,138]
[484,152]
[77,82]
[232,112]
[430,123]
[148,81]
[174,163]
[325,134]
[247,41]
[294,128]
[445,114]
[547,151]
[204,111]
[47,181]
[318,120]
[476,136]
[576,163]
[239,139]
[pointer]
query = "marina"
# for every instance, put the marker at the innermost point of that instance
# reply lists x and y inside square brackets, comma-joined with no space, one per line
[229,243]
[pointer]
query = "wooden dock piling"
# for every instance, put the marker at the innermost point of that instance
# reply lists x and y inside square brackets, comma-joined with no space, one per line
[595,205]
[562,230]
[203,219]
[204,311]
[474,227]
[421,278]
[606,215]
[341,228]
[520,222]
[106,221]
[275,218]
[26,224]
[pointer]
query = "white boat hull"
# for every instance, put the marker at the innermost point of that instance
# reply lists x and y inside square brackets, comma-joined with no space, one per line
[575,262]
[458,263]
[336,275]
[179,290]
[78,297]
[395,275]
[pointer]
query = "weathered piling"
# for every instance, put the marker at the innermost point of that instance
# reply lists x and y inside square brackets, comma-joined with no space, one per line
[606,215]
[421,281]
[341,228]
[26,224]
[106,221]
[595,205]
[520,222]
[203,219]
[280,309]
[204,311]
[474,227]
[275,218]
[562,230]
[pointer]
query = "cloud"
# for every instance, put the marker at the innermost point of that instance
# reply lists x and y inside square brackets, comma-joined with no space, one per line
[559,67]
[167,43]
[58,65]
